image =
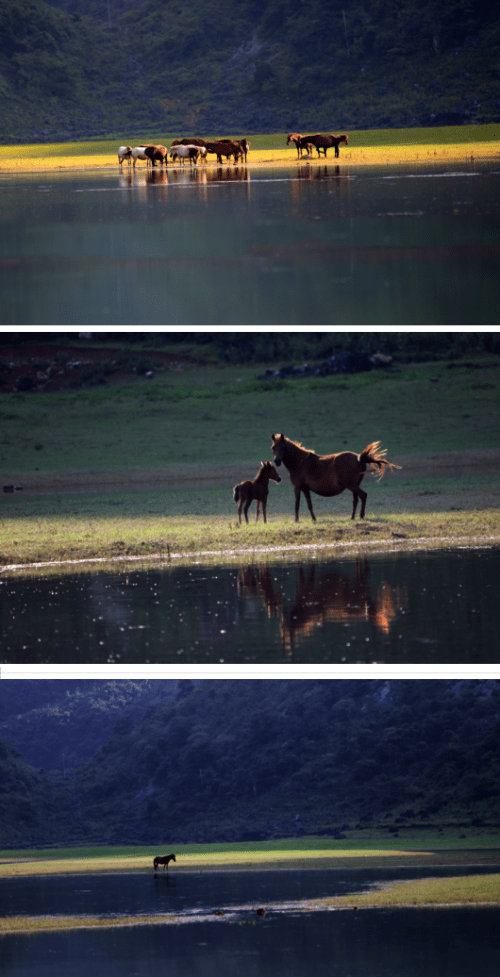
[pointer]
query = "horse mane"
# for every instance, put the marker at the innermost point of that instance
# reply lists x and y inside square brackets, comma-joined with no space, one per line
[298,444]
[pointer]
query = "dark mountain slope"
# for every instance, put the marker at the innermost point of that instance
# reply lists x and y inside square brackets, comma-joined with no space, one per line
[243,760]
[70,69]
[235,760]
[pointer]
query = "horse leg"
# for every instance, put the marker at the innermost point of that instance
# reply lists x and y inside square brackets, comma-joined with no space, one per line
[264,504]
[363,496]
[245,510]
[297,502]
[358,493]
[240,507]
[309,503]
[258,510]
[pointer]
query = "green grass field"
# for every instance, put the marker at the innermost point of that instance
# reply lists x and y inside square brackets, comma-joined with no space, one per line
[444,135]
[147,467]
[431,846]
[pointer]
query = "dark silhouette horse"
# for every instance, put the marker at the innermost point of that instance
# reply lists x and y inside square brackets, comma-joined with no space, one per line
[327,475]
[323,142]
[163,860]
[246,492]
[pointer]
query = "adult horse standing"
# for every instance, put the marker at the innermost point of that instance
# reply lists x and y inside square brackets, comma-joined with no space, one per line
[163,860]
[328,475]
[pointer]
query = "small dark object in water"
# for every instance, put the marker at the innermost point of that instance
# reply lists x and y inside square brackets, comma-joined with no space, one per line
[261,911]
[12,488]
[219,912]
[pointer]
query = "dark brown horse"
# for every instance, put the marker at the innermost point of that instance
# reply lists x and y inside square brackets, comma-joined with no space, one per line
[246,492]
[327,475]
[163,860]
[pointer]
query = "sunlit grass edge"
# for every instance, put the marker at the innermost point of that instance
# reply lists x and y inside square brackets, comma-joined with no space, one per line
[414,842]
[377,147]
[178,540]
[457,890]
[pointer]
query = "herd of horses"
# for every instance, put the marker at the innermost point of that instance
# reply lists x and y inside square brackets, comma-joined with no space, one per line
[325,475]
[191,150]
[194,150]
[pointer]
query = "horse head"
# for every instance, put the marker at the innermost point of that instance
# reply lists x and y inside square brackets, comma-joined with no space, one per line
[278,448]
[271,471]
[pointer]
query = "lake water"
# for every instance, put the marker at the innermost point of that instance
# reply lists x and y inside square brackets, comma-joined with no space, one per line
[230,246]
[367,943]
[185,893]
[420,607]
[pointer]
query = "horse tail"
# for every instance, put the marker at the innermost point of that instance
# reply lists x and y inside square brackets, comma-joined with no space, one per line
[236,493]
[375,456]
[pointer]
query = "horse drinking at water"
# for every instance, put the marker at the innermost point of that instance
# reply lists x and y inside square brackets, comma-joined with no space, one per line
[246,492]
[328,474]
[163,860]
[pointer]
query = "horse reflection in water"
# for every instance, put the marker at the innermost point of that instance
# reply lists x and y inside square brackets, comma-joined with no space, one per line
[257,582]
[334,598]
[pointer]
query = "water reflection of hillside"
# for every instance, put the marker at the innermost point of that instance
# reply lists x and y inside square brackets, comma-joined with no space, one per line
[330,597]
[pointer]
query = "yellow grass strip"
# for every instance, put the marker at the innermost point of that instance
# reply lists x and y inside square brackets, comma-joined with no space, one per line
[32,924]
[466,890]
[209,861]
[29,159]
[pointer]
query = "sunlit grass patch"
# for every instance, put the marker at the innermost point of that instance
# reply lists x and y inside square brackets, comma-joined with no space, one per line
[414,846]
[379,146]
[35,924]
[460,890]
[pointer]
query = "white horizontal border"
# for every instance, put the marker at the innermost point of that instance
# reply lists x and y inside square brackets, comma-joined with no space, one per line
[249,672]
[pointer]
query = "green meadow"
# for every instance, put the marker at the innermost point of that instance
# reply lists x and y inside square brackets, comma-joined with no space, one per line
[438,135]
[146,468]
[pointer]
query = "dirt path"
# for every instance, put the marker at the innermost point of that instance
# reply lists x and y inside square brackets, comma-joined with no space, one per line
[448,465]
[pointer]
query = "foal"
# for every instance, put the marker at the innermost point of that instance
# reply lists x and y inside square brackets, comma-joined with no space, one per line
[246,492]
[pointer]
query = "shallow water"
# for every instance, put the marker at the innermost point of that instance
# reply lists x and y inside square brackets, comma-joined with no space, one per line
[232,246]
[367,943]
[144,893]
[422,607]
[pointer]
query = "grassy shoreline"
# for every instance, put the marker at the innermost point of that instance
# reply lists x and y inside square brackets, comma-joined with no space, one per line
[274,159]
[432,845]
[371,147]
[64,540]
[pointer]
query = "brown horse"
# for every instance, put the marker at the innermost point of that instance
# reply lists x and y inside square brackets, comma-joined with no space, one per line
[329,474]
[163,860]
[246,492]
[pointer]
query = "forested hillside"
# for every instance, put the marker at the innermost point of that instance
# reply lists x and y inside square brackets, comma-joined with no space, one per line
[250,760]
[70,69]
[58,724]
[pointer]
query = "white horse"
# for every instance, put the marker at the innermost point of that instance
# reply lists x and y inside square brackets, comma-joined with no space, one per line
[189,152]
[138,153]
[124,152]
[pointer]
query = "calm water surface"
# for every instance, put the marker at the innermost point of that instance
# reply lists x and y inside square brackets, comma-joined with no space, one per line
[186,893]
[367,943]
[324,245]
[439,606]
